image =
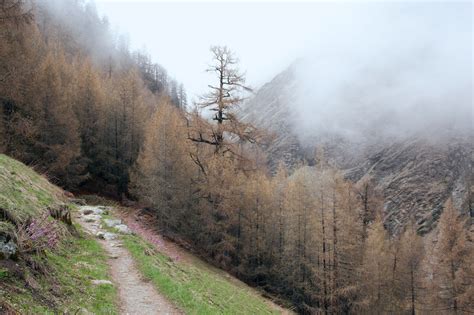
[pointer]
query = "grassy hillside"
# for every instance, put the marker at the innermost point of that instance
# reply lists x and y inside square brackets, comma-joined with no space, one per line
[195,287]
[50,279]
[23,192]
[185,279]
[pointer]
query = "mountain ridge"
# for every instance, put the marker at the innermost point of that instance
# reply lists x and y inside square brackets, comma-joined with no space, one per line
[416,174]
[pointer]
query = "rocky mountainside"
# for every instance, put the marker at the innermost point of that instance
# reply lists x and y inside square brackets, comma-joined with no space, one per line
[416,177]
[415,173]
[269,110]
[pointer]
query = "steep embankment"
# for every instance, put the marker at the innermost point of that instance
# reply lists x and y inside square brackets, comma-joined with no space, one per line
[46,264]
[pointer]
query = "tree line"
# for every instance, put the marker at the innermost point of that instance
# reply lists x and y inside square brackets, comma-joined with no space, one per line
[75,107]
[309,236]
[94,116]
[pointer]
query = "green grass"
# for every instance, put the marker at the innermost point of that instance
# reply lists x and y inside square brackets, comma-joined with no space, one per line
[194,289]
[60,281]
[3,274]
[67,287]
[23,192]
[86,262]
[53,282]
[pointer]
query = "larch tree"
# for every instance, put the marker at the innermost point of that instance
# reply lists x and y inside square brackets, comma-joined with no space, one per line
[223,100]
[453,264]
[161,176]
[19,47]
[346,242]
[218,194]
[182,96]
[376,271]
[127,111]
[370,199]
[409,271]
[15,12]
[280,189]
[67,107]
[57,141]
[89,105]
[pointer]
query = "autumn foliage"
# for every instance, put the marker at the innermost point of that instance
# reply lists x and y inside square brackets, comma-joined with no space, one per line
[94,116]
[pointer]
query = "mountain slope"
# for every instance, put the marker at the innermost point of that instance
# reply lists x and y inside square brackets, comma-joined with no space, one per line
[415,173]
[269,110]
[416,177]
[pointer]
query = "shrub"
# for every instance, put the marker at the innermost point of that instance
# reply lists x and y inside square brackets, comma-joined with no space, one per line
[38,234]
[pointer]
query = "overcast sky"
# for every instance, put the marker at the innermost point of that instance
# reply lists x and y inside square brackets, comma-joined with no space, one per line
[266,36]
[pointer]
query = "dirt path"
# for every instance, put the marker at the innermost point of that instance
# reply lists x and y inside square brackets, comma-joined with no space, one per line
[136,295]
[140,224]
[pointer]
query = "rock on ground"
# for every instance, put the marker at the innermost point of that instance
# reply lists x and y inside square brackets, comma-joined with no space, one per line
[106,235]
[87,210]
[92,218]
[112,222]
[122,228]
[7,249]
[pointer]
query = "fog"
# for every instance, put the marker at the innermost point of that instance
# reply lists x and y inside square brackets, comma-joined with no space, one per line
[374,68]
[389,70]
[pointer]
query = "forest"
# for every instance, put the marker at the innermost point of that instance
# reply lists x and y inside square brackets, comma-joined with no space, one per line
[96,117]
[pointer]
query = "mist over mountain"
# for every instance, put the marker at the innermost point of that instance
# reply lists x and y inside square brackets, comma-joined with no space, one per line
[417,158]
[388,73]
[391,103]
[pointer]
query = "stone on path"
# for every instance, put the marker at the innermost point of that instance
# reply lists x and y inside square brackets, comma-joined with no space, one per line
[86,210]
[92,218]
[7,249]
[122,228]
[112,222]
[106,235]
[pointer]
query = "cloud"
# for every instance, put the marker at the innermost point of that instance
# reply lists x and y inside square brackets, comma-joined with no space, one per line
[384,70]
